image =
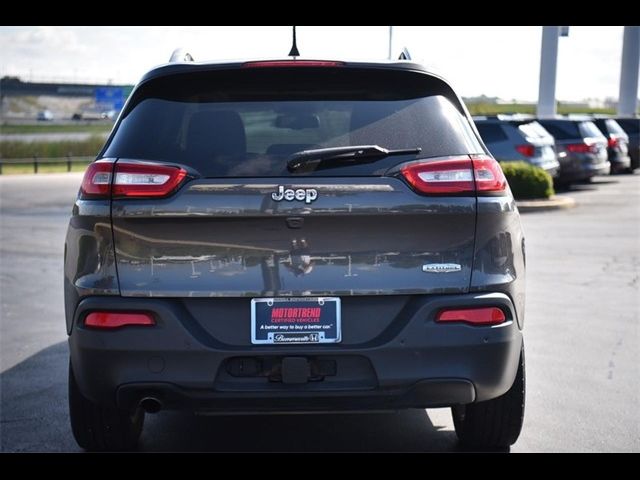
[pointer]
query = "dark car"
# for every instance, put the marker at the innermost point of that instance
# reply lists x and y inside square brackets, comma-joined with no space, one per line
[631,126]
[294,236]
[510,138]
[581,148]
[618,144]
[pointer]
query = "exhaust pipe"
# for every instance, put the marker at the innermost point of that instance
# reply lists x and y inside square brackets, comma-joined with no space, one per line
[151,404]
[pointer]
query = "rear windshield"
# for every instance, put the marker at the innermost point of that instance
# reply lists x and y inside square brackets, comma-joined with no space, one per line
[491,132]
[562,130]
[589,130]
[614,128]
[533,130]
[630,125]
[248,122]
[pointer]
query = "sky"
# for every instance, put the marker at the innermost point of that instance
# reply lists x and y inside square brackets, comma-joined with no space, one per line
[495,61]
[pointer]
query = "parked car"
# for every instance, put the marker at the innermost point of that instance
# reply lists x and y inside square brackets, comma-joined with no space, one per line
[45,116]
[294,236]
[512,138]
[631,126]
[581,148]
[618,144]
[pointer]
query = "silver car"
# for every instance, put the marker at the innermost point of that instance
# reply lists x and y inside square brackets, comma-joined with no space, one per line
[519,138]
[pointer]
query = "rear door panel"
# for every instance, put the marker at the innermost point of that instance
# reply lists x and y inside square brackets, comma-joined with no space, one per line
[228,237]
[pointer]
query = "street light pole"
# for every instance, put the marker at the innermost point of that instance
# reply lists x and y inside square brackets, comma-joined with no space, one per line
[390,42]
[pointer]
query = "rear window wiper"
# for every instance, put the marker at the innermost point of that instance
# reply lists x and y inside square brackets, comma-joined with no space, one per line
[344,155]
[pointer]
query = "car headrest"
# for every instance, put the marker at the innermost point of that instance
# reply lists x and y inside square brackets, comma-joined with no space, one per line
[216,133]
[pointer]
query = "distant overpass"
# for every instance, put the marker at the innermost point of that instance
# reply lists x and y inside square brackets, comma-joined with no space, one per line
[14,87]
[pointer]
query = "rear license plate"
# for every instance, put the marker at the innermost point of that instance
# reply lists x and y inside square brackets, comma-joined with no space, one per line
[280,321]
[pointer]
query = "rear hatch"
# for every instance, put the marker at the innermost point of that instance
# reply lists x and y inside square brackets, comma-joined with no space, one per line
[539,144]
[618,139]
[578,142]
[243,224]
[593,137]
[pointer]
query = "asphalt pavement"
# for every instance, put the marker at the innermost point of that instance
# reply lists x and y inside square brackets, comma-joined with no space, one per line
[581,334]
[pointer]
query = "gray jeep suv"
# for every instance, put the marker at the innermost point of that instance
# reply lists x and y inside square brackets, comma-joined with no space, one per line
[294,236]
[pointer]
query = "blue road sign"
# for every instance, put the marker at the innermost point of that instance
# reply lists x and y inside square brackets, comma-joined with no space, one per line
[110,98]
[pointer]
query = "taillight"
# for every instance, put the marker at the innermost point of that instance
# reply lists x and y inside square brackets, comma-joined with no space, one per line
[448,176]
[292,63]
[145,179]
[96,182]
[477,173]
[473,316]
[526,150]
[110,320]
[488,174]
[582,148]
[104,179]
[613,142]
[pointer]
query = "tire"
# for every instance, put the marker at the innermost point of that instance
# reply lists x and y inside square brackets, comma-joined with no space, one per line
[98,428]
[496,423]
[562,185]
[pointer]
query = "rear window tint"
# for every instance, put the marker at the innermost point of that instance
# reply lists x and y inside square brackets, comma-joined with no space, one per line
[247,123]
[589,130]
[614,128]
[533,130]
[491,132]
[630,125]
[562,130]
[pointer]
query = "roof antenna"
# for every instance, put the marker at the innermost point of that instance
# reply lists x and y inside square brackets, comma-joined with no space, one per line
[294,48]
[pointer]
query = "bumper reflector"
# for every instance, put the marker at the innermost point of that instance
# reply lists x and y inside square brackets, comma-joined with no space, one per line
[473,316]
[110,320]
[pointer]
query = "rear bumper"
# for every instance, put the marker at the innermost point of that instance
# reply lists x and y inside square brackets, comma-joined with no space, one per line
[619,162]
[634,155]
[551,166]
[553,171]
[576,169]
[415,364]
[423,394]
